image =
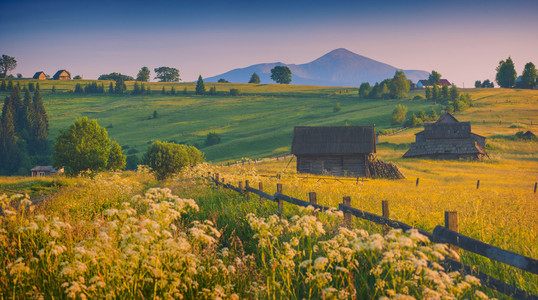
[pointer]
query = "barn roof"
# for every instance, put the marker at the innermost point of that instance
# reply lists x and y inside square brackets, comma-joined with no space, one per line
[447,118]
[333,140]
[460,130]
[443,82]
[43,169]
[424,82]
[57,75]
[36,75]
[441,147]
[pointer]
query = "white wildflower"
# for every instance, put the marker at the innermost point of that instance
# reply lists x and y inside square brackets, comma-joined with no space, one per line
[320,263]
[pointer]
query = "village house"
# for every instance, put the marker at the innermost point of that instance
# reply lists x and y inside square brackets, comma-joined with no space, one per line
[40,171]
[447,139]
[62,75]
[40,75]
[339,150]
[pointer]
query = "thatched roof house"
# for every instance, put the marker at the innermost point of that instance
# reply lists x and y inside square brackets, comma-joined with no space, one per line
[40,75]
[62,75]
[447,139]
[339,150]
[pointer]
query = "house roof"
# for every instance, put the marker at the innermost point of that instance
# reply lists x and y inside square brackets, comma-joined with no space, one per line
[334,140]
[444,147]
[460,130]
[36,75]
[424,82]
[529,134]
[43,169]
[443,82]
[447,118]
[57,75]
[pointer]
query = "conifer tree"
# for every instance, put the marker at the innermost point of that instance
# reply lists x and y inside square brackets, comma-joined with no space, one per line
[10,153]
[9,85]
[136,89]
[31,87]
[200,87]
[111,88]
[53,89]
[116,159]
[3,86]
[28,114]
[163,91]
[454,93]
[185,92]
[148,90]
[435,92]
[37,86]
[120,87]
[254,78]
[173,91]
[429,95]
[444,91]
[41,125]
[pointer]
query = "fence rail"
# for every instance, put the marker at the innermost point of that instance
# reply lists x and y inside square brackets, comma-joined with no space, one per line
[440,235]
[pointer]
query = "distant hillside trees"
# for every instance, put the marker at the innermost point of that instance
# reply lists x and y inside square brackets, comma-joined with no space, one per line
[222,80]
[254,78]
[167,74]
[528,77]
[200,87]
[364,90]
[166,159]
[92,88]
[434,77]
[485,84]
[143,74]
[235,92]
[399,86]
[24,129]
[281,74]
[115,76]
[140,89]
[120,86]
[77,77]
[212,139]
[85,146]
[7,63]
[506,73]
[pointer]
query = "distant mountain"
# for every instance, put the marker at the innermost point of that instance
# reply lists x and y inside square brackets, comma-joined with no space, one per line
[339,67]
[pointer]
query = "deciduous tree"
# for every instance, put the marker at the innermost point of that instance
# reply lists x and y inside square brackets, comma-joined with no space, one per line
[398,115]
[165,159]
[364,90]
[528,78]
[281,74]
[7,63]
[434,77]
[399,86]
[143,74]
[506,73]
[167,74]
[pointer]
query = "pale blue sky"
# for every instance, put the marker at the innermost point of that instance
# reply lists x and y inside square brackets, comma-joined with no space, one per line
[462,41]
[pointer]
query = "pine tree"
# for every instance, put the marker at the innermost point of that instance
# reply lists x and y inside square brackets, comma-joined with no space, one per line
[41,125]
[173,91]
[28,114]
[429,95]
[10,153]
[454,93]
[185,92]
[120,87]
[435,92]
[3,86]
[163,91]
[9,85]
[31,87]
[444,91]
[200,87]
[148,90]
[53,89]
[37,86]
[136,89]
[111,88]
[212,90]
[254,78]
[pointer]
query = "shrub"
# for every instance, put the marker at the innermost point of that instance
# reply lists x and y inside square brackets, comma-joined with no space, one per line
[235,92]
[212,139]
[165,159]
[418,97]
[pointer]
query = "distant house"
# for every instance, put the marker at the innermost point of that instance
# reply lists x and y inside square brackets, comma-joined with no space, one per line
[62,75]
[40,75]
[340,150]
[447,139]
[40,171]
[529,135]
[422,84]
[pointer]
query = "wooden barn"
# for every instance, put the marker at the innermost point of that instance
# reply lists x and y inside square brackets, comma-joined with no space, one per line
[447,139]
[339,150]
[62,75]
[40,171]
[40,75]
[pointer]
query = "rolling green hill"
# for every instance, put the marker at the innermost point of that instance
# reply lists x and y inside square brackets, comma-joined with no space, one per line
[259,122]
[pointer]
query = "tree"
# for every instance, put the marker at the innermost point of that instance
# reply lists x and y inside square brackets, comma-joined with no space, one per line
[398,115]
[84,146]
[422,115]
[364,90]
[212,90]
[414,121]
[115,76]
[120,87]
[383,92]
[7,63]
[528,78]
[436,94]
[167,74]
[143,74]
[10,154]
[454,93]
[254,78]
[165,159]
[281,74]
[399,86]
[477,84]
[212,139]
[53,90]
[429,94]
[506,73]
[40,129]
[200,87]
[434,78]
[487,84]
[116,159]
[222,80]
[3,86]
[77,77]
[444,91]
[432,116]
[235,92]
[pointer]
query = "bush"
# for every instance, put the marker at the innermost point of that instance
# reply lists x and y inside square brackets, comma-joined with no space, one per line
[165,159]
[235,92]
[418,97]
[336,107]
[212,139]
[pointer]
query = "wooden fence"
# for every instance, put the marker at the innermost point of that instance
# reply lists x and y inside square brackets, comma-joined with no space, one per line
[448,234]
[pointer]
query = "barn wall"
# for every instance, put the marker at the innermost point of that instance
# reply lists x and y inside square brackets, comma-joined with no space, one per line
[332,164]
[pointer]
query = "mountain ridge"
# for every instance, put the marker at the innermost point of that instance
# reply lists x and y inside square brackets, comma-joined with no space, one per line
[339,67]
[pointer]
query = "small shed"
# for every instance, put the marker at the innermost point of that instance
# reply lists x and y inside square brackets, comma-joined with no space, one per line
[40,75]
[447,139]
[338,150]
[529,135]
[62,75]
[40,171]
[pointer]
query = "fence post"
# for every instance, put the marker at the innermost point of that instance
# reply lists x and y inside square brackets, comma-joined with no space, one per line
[451,222]
[314,200]
[477,184]
[535,186]
[260,187]
[217,177]
[280,202]
[385,208]
[417,181]
[241,187]
[247,192]
[347,216]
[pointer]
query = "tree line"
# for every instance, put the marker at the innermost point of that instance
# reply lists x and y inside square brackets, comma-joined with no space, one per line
[24,127]
[390,88]
[506,76]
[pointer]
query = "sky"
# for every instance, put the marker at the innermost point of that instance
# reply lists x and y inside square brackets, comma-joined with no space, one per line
[462,40]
